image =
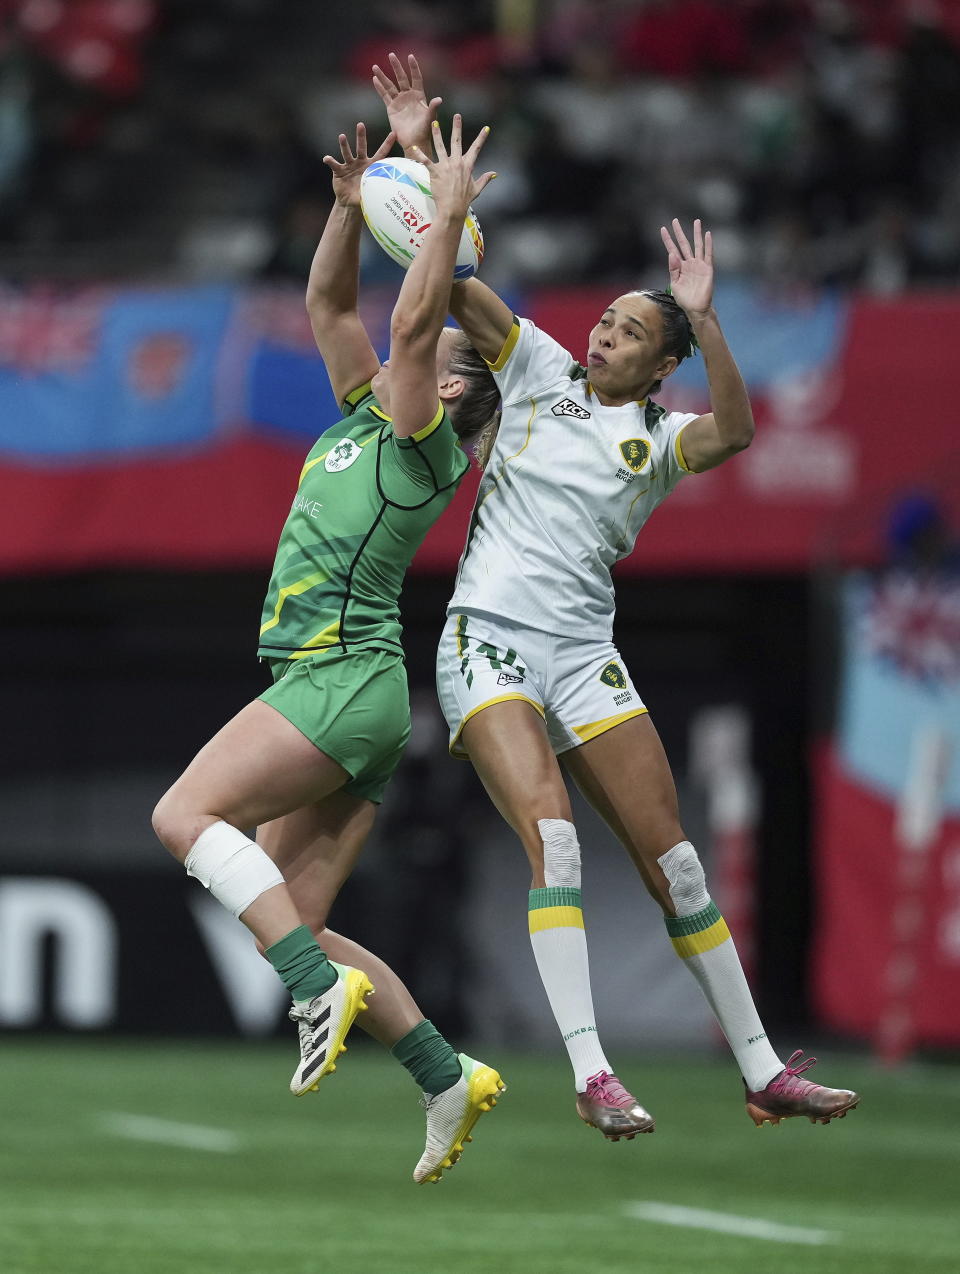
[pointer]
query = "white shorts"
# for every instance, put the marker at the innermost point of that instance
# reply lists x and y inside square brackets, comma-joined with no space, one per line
[580,688]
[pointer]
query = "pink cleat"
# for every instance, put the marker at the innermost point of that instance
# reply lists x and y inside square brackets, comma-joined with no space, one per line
[608,1106]
[788,1095]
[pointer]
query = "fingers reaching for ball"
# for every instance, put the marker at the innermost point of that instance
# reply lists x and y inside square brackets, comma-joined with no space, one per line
[451,173]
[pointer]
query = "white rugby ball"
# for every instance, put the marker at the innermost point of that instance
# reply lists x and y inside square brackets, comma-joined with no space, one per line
[397,207]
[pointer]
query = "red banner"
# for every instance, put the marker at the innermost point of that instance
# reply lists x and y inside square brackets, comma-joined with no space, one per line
[842,428]
[860,953]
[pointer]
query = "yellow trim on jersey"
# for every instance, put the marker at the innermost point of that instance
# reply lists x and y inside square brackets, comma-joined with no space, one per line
[427,430]
[586,732]
[329,636]
[692,944]
[293,590]
[555,918]
[641,402]
[489,704]
[679,451]
[493,485]
[351,399]
[316,460]
[506,348]
[632,503]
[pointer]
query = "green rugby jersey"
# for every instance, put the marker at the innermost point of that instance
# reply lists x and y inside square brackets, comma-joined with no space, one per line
[364,503]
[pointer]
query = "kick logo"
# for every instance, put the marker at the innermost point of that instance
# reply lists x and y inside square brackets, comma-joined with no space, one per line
[636,452]
[508,679]
[613,675]
[569,408]
[341,456]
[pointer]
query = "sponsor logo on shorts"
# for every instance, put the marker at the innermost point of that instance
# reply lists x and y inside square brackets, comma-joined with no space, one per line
[636,452]
[508,679]
[613,675]
[567,407]
[623,698]
[341,456]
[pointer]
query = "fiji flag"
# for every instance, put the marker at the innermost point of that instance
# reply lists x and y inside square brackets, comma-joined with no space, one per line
[102,373]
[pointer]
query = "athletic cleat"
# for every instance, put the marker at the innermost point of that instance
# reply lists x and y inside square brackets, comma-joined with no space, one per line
[323,1023]
[452,1114]
[608,1106]
[787,1095]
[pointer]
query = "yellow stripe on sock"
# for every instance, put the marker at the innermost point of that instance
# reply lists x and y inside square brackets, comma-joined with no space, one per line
[555,918]
[696,943]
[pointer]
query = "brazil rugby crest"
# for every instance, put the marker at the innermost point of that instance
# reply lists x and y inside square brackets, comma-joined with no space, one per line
[636,452]
[613,675]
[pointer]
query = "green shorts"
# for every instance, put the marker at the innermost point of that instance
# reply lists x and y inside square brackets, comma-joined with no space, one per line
[355,707]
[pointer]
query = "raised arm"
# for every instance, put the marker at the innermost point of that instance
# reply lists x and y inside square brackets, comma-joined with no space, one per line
[332,286]
[424,299]
[728,428]
[485,319]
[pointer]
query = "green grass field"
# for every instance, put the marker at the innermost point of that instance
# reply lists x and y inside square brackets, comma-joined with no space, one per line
[90,1184]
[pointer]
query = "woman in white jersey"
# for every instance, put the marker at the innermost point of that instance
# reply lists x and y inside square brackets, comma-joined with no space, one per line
[527,670]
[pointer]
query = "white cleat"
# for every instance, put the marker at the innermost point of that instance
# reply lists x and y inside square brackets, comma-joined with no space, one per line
[451,1115]
[323,1023]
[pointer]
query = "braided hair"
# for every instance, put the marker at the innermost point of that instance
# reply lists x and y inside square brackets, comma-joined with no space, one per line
[475,416]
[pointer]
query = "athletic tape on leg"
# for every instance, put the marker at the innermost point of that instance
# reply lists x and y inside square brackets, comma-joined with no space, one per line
[561,853]
[687,883]
[234,868]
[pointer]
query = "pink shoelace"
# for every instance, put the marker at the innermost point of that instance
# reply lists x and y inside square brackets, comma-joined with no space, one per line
[607,1088]
[783,1084]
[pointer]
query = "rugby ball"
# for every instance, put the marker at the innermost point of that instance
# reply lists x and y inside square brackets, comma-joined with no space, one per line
[397,207]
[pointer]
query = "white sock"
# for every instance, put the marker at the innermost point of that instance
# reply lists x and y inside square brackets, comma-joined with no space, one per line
[559,944]
[232,866]
[702,940]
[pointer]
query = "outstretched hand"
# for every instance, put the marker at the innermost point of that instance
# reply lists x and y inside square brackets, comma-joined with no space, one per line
[348,170]
[410,114]
[452,184]
[691,269]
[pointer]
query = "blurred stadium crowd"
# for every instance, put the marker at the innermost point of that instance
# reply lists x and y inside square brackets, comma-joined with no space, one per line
[183,138]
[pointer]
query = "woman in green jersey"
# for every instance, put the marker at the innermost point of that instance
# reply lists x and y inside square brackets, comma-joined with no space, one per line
[307,762]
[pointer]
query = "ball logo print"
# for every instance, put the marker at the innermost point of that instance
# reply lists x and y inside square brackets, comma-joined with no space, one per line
[398,209]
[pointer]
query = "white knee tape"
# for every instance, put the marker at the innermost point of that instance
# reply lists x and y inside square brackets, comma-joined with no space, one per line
[234,868]
[688,885]
[561,853]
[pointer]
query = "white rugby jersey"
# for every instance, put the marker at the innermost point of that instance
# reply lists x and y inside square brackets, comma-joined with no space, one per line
[565,492]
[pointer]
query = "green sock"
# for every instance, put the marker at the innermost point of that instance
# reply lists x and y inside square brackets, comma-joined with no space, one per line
[302,966]
[429,1058]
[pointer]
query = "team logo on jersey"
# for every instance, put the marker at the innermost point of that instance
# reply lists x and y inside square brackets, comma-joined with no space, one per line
[613,675]
[636,452]
[341,456]
[567,407]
